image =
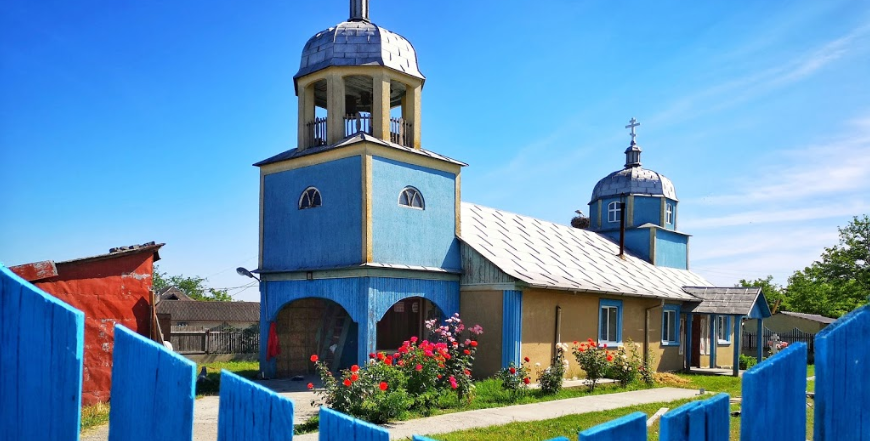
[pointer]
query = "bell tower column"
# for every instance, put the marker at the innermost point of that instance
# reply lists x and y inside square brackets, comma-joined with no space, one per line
[335,108]
[411,112]
[381,105]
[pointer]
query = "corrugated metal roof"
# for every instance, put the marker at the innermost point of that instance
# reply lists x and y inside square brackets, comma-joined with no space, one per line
[210,311]
[359,137]
[730,301]
[547,255]
[813,317]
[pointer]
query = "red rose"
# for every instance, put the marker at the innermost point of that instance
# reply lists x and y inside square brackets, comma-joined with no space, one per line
[388,362]
[346,382]
[527,359]
[526,380]
[512,370]
[466,352]
[419,367]
[354,368]
[314,358]
[354,377]
[383,385]
[372,355]
[609,358]
[468,372]
[311,385]
[473,344]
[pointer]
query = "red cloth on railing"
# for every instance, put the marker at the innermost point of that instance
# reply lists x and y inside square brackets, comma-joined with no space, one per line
[272,348]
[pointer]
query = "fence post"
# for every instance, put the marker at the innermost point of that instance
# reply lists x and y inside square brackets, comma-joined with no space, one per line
[774,397]
[842,395]
[152,391]
[631,427]
[41,350]
[250,412]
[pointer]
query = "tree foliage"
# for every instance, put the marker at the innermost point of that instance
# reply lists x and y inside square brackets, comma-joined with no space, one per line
[774,293]
[840,281]
[194,287]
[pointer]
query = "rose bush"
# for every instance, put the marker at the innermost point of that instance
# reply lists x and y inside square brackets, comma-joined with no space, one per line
[593,360]
[414,377]
[551,378]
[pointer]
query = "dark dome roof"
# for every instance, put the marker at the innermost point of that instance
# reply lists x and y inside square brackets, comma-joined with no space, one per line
[358,43]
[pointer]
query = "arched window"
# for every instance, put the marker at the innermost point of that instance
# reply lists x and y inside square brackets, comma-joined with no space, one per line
[669,213]
[614,212]
[310,198]
[411,197]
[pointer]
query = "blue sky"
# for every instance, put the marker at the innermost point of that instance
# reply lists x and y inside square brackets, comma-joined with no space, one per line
[126,122]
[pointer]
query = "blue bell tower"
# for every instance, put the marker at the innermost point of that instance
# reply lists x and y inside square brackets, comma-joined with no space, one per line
[358,222]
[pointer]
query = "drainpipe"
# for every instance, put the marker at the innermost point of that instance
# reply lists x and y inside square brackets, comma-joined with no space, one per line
[558,331]
[646,330]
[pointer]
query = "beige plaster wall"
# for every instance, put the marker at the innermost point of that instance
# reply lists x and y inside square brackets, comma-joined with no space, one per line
[784,323]
[484,308]
[580,321]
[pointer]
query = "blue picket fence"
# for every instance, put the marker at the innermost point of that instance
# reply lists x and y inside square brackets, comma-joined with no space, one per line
[41,348]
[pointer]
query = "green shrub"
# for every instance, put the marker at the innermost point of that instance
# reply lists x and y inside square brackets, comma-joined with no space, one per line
[515,379]
[747,362]
[550,379]
[593,360]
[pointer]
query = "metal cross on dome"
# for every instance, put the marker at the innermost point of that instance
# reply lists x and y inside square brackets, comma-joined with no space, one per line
[632,124]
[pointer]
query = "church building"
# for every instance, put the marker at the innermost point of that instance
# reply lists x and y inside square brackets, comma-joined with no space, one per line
[364,236]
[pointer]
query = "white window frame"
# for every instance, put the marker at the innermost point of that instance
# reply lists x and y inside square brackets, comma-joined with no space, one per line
[308,195]
[669,213]
[607,305]
[671,332]
[705,336]
[412,195]
[614,212]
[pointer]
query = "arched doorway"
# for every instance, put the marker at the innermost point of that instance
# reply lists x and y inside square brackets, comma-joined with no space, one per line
[404,320]
[314,326]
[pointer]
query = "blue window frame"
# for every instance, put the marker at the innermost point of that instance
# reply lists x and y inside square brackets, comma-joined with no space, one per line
[610,322]
[723,329]
[671,325]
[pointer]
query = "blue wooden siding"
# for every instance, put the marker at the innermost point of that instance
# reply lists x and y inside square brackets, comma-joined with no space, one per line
[41,348]
[408,236]
[512,327]
[647,209]
[249,411]
[323,237]
[148,380]
[147,376]
[672,249]
[366,300]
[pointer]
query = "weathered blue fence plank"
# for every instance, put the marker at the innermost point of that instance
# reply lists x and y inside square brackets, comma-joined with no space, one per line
[774,397]
[336,426]
[698,421]
[842,395]
[628,428]
[250,412]
[41,349]
[421,438]
[152,391]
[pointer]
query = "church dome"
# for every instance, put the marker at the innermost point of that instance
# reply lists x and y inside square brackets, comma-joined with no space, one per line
[634,181]
[358,43]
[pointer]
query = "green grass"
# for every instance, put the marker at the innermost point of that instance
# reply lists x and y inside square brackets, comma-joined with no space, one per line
[567,426]
[95,415]
[211,386]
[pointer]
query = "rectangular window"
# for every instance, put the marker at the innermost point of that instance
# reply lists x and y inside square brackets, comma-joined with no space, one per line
[610,322]
[671,325]
[723,325]
[669,213]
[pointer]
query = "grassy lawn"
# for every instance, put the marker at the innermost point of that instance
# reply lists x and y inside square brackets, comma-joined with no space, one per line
[98,414]
[570,426]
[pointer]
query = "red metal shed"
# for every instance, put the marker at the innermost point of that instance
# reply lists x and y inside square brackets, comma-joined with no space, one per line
[109,288]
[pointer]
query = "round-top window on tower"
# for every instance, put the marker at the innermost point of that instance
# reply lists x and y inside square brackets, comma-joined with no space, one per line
[411,197]
[310,198]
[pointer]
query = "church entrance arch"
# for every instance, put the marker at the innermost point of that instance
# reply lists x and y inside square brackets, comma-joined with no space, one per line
[403,320]
[312,326]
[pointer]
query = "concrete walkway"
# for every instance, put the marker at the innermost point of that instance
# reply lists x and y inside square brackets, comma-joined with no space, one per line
[206,411]
[526,412]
